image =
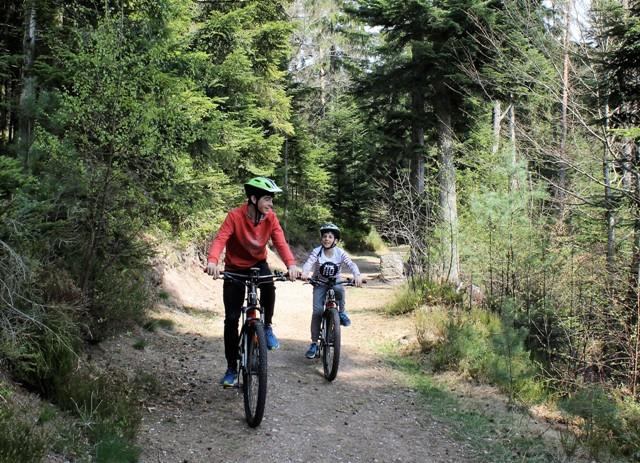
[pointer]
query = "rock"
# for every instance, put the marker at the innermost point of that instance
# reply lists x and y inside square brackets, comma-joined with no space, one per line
[392,268]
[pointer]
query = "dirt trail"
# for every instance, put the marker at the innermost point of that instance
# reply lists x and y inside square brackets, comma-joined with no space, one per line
[366,415]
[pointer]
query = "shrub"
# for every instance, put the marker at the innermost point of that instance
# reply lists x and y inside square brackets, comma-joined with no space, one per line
[122,298]
[405,300]
[418,292]
[431,326]
[375,242]
[609,420]
[20,441]
[628,431]
[107,407]
[40,348]
[485,347]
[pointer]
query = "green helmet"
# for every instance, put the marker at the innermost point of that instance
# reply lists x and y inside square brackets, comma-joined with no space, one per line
[261,186]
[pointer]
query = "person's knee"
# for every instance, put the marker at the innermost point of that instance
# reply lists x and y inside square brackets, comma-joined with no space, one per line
[232,321]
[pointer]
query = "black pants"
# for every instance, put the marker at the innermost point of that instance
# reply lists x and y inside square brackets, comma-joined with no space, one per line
[233,294]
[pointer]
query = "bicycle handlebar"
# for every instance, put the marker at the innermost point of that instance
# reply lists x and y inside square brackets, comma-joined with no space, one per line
[246,279]
[347,282]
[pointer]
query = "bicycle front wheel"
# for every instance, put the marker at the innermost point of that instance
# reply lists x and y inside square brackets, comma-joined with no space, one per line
[254,374]
[331,340]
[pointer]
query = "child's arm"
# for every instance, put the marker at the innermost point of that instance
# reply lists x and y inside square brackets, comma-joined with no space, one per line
[357,278]
[307,268]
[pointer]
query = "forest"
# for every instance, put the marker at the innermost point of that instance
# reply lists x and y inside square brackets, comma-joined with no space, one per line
[497,141]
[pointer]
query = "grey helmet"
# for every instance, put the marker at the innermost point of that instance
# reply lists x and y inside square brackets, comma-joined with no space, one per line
[330,227]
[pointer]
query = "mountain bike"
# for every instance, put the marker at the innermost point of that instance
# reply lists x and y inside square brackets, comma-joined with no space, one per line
[329,340]
[252,347]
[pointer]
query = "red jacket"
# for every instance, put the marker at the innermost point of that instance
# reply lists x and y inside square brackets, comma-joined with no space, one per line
[246,243]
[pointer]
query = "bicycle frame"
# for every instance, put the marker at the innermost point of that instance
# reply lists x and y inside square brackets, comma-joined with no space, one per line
[329,340]
[251,312]
[252,344]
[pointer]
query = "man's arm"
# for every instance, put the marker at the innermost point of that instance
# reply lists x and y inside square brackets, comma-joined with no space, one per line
[280,243]
[220,241]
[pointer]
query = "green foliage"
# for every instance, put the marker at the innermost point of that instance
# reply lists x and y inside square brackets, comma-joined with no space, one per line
[123,295]
[107,407]
[423,291]
[599,412]
[246,50]
[139,344]
[484,347]
[627,433]
[494,434]
[301,224]
[607,420]
[40,348]
[405,300]
[20,441]
[374,242]
[114,449]
[432,325]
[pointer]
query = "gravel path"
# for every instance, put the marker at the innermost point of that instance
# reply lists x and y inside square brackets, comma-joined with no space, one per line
[367,414]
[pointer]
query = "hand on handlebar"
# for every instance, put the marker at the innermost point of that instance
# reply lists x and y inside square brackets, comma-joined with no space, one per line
[213,270]
[293,272]
[357,280]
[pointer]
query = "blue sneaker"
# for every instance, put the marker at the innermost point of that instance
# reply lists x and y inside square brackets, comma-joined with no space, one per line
[272,341]
[313,351]
[230,378]
[344,319]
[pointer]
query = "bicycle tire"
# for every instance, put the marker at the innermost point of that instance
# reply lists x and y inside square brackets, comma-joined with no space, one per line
[254,375]
[331,341]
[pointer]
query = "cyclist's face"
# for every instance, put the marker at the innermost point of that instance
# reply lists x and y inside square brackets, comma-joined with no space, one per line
[328,239]
[265,204]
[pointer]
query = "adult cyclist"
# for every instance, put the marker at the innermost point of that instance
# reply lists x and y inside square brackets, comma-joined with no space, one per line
[245,233]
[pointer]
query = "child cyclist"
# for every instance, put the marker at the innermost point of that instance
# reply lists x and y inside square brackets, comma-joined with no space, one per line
[245,233]
[323,261]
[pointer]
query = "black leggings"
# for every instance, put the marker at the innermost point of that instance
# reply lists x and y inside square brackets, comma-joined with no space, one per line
[233,294]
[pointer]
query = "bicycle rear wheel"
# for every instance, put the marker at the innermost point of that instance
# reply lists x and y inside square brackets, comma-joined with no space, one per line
[254,375]
[331,341]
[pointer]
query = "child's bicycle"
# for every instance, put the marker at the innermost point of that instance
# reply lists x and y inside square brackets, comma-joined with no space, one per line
[252,355]
[329,340]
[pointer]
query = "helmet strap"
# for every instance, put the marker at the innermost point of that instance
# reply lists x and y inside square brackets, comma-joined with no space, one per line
[257,215]
[333,244]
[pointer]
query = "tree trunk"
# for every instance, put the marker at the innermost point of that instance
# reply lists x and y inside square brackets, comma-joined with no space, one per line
[626,164]
[497,119]
[562,185]
[447,183]
[608,200]
[417,142]
[417,134]
[513,181]
[27,96]
[635,263]
[286,181]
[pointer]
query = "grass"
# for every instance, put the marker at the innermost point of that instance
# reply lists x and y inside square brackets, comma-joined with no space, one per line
[200,313]
[493,435]
[20,440]
[140,344]
[159,323]
[414,294]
